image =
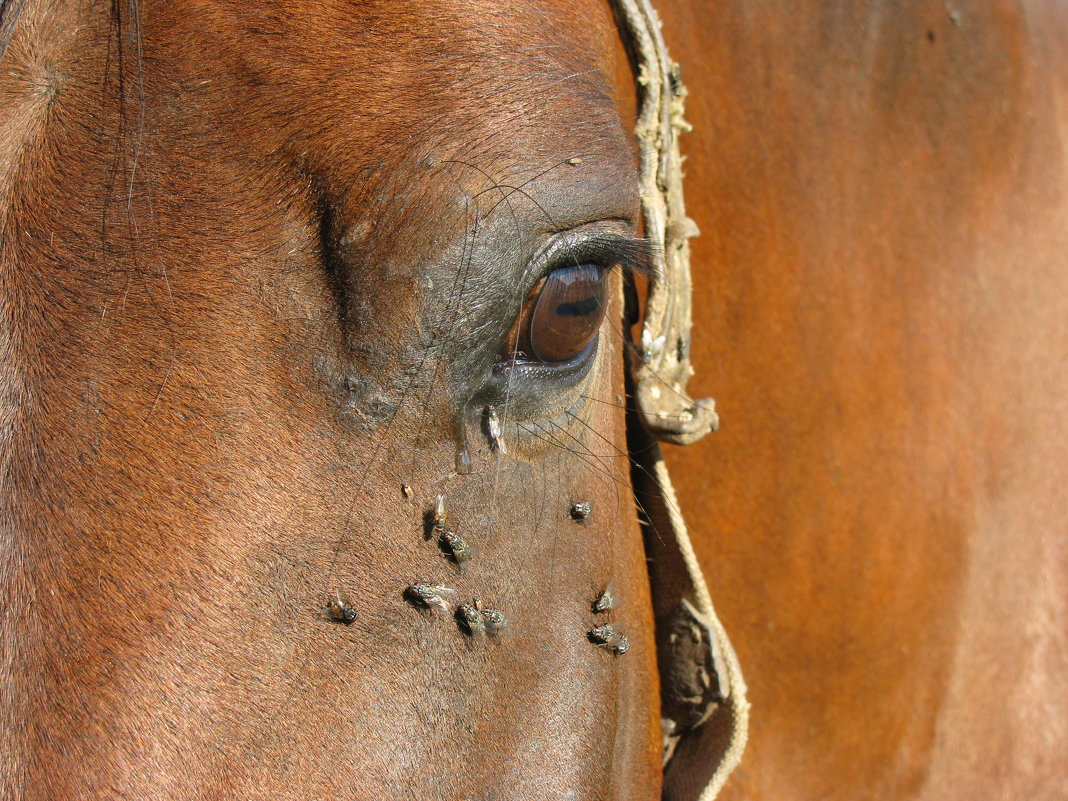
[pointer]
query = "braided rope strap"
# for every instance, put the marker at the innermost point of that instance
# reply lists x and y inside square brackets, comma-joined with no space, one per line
[662,369]
[705,713]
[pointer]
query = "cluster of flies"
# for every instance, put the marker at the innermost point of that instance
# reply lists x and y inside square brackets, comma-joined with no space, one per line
[451,542]
[605,635]
[473,619]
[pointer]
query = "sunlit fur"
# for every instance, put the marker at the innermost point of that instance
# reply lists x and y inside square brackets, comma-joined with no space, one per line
[255,258]
[882,308]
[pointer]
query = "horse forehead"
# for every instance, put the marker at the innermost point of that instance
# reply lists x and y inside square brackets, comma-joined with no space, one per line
[434,38]
[418,120]
[380,80]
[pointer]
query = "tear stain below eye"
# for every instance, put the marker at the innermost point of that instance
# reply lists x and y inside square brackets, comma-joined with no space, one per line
[493,429]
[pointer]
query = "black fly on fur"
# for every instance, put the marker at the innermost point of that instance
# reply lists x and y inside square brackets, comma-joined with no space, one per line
[470,621]
[580,511]
[340,612]
[605,602]
[608,638]
[492,621]
[433,597]
[455,546]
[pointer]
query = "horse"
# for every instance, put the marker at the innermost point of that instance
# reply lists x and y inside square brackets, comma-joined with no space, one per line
[315,471]
[879,304]
[272,527]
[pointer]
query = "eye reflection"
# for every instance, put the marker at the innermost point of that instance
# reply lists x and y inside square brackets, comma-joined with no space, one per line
[568,312]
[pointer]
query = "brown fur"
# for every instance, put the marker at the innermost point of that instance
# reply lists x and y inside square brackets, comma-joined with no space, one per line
[202,355]
[882,316]
[222,355]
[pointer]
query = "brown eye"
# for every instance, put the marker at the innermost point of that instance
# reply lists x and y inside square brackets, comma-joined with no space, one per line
[568,312]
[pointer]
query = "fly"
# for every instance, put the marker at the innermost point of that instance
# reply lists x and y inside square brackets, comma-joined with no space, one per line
[609,639]
[605,602]
[469,619]
[492,620]
[340,612]
[493,428]
[440,515]
[455,546]
[429,596]
[580,511]
[452,544]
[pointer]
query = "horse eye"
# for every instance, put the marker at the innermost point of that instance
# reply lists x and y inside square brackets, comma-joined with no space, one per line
[567,312]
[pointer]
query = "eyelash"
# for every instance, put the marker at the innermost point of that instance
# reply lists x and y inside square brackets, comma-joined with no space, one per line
[632,256]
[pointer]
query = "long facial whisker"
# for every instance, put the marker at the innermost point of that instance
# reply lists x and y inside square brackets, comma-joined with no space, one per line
[549,439]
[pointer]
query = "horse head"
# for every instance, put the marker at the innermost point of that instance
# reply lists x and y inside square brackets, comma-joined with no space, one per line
[316,474]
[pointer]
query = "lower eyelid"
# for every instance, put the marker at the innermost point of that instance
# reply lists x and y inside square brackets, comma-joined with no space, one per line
[551,370]
[536,371]
[531,390]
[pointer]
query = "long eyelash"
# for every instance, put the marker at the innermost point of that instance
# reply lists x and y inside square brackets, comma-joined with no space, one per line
[634,256]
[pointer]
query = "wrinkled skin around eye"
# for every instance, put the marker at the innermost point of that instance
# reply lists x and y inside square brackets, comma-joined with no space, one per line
[567,312]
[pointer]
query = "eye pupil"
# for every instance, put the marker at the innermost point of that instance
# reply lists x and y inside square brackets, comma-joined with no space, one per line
[568,312]
[582,308]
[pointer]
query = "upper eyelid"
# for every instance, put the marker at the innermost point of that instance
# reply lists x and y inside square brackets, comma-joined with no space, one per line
[632,254]
[584,244]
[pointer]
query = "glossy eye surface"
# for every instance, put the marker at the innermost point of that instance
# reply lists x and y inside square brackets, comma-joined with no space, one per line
[568,312]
